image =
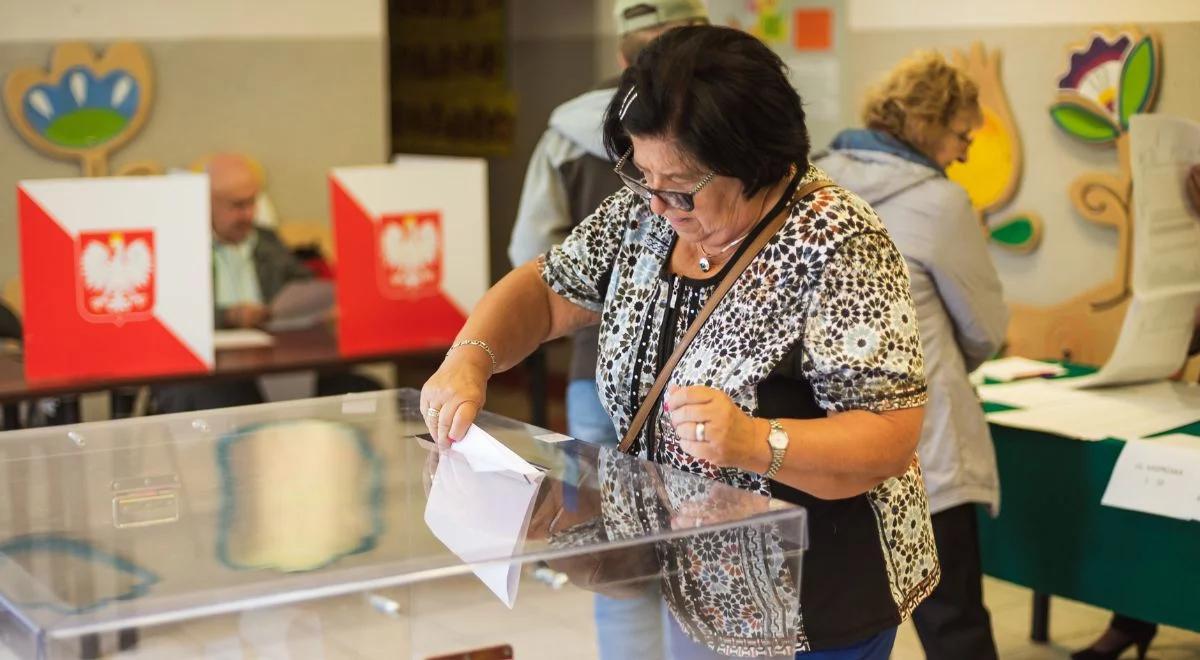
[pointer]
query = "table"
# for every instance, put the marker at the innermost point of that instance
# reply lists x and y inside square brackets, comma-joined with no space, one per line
[314,348]
[1054,537]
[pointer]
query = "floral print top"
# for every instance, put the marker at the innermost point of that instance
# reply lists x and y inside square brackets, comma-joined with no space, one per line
[821,321]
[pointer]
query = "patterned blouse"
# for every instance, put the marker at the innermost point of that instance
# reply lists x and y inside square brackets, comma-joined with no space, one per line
[820,321]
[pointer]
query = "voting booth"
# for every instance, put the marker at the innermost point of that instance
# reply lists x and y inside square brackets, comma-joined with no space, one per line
[188,536]
[412,255]
[116,276]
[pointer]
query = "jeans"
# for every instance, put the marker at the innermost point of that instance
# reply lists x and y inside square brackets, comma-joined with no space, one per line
[625,627]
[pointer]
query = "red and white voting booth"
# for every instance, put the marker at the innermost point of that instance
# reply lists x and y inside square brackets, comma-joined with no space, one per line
[412,253]
[116,276]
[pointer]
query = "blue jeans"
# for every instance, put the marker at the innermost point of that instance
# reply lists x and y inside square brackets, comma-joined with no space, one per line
[625,627]
[877,647]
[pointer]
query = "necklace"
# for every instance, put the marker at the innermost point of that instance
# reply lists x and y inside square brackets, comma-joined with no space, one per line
[706,259]
[706,264]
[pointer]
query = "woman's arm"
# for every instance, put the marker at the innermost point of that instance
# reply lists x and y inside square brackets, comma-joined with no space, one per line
[843,455]
[513,318]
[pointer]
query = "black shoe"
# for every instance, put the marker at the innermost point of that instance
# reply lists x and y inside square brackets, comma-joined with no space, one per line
[1115,641]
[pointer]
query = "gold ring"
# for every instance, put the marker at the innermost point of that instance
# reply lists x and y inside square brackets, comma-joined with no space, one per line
[432,412]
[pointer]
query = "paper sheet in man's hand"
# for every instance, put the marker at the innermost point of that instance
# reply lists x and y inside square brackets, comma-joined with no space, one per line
[480,505]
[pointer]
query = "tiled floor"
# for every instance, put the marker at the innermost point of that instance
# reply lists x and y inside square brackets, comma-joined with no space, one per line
[546,624]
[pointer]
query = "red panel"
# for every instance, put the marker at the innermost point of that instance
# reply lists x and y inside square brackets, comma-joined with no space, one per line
[59,342]
[370,319]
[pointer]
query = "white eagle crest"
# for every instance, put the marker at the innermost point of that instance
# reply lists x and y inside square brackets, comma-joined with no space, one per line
[113,274]
[409,250]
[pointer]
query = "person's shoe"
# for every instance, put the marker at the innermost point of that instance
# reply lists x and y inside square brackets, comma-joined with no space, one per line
[1114,641]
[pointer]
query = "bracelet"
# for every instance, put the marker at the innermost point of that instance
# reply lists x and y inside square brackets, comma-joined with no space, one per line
[481,344]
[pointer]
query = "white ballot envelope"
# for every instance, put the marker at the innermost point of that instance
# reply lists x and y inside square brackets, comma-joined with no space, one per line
[480,505]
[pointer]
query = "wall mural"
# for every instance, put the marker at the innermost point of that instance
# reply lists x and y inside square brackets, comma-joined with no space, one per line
[1111,76]
[992,172]
[85,106]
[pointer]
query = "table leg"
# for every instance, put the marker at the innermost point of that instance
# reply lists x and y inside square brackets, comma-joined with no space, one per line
[1039,630]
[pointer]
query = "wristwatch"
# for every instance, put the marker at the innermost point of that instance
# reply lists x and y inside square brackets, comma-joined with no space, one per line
[778,440]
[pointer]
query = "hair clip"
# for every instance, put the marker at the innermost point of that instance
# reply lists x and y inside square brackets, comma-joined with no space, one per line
[630,96]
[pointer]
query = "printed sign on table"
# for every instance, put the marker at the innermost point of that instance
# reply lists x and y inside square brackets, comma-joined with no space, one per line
[411,251]
[116,276]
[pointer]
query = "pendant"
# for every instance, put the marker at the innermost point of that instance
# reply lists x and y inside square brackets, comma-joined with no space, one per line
[705,265]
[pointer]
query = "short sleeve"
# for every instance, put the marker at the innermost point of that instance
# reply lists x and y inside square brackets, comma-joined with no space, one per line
[862,347]
[580,267]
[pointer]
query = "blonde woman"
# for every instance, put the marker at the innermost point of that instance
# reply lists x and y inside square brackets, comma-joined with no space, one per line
[919,119]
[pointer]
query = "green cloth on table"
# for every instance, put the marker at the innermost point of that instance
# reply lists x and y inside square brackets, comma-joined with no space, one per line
[1054,536]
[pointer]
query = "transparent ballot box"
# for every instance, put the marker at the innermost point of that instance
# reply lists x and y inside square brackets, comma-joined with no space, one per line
[330,528]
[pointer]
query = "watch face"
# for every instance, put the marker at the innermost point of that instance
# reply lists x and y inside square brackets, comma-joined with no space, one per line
[777,439]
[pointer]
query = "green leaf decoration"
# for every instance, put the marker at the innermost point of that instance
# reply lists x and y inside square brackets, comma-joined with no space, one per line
[1139,75]
[1082,123]
[1015,233]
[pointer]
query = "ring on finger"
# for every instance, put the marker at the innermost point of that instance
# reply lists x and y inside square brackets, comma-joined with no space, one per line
[432,412]
[700,432]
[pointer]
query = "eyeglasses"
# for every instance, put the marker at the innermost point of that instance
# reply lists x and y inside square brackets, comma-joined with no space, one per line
[684,201]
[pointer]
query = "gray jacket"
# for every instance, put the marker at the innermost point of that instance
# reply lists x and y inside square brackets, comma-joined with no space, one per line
[569,175]
[960,309]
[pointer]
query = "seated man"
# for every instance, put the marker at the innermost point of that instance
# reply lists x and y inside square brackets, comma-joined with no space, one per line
[250,267]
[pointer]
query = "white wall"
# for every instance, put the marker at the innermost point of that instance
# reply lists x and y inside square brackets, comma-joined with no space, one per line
[935,14]
[53,20]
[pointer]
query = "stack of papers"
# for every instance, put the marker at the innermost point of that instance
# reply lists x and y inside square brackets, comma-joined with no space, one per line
[1160,476]
[1119,412]
[1015,368]
[227,340]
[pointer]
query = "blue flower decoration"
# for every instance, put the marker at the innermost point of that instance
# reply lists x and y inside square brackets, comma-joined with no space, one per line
[81,110]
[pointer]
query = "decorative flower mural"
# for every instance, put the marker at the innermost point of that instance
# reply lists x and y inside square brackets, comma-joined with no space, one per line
[1111,76]
[1109,80]
[992,171]
[85,106]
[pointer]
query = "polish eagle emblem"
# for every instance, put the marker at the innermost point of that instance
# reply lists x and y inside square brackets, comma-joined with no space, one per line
[410,253]
[116,274]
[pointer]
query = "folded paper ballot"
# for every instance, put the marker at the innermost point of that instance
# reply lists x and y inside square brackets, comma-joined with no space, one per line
[480,505]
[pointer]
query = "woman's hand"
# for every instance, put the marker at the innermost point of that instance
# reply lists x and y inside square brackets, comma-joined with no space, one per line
[728,438]
[454,395]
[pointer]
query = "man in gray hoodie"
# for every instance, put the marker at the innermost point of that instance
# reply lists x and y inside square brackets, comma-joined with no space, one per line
[569,175]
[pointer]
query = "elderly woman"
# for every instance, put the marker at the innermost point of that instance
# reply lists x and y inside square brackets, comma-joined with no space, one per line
[919,120]
[806,382]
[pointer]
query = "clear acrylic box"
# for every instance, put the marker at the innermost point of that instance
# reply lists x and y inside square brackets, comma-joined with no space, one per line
[328,528]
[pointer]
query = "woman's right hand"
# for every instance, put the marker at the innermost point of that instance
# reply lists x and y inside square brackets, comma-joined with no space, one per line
[454,395]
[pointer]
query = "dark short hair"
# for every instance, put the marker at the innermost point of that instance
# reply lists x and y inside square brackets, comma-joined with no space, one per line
[721,95]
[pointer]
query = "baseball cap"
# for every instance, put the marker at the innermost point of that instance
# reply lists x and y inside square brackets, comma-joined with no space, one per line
[634,15]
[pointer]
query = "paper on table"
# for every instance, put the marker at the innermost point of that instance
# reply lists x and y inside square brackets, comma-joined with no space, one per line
[301,304]
[1015,368]
[1034,393]
[224,340]
[1125,412]
[1156,477]
[479,506]
[1153,342]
